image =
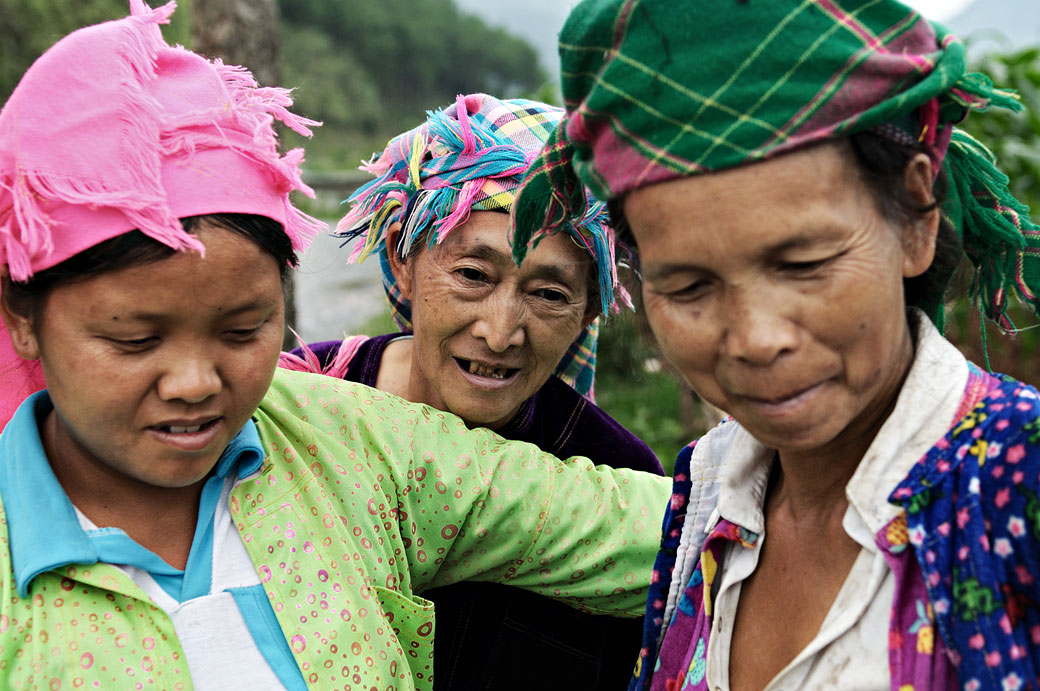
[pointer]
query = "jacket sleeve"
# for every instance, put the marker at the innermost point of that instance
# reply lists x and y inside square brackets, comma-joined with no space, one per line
[472,505]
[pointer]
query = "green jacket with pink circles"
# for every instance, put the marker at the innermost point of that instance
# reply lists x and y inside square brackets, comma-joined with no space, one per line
[363,501]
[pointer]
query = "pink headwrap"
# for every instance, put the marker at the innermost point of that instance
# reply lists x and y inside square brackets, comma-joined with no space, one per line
[113,130]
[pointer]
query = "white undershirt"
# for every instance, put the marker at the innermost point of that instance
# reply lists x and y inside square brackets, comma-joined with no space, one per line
[220,650]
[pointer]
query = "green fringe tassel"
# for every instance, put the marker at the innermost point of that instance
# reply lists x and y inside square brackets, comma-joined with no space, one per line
[551,194]
[995,227]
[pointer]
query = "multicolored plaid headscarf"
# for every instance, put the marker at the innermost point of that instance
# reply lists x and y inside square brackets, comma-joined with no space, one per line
[658,89]
[473,155]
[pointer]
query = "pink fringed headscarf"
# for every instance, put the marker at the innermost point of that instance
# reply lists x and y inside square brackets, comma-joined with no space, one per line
[112,130]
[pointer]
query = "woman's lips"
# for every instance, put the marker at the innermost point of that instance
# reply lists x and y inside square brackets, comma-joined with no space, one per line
[188,436]
[785,404]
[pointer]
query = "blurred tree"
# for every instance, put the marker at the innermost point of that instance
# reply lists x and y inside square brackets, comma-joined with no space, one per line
[240,32]
[421,52]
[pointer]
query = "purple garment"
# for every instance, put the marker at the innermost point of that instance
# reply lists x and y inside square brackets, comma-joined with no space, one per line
[492,636]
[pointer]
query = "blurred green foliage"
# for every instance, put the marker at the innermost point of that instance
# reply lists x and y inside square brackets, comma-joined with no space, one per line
[1015,140]
[636,386]
[370,70]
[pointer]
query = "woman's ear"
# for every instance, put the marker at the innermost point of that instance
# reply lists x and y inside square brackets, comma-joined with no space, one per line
[591,312]
[920,234]
[400,268]
[21,328]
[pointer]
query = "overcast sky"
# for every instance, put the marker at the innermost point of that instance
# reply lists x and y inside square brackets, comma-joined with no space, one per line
[938,9]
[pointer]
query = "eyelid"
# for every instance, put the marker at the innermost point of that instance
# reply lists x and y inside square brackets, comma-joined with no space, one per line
[806,265]
[132,343]
[563,295]
[462,270]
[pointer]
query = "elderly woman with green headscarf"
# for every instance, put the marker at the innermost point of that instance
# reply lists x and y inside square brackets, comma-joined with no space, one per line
[502,346]
[799,198]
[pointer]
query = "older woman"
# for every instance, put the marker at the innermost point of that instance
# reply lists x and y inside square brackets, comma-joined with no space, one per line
[799,199]
[502,346]
[176,512]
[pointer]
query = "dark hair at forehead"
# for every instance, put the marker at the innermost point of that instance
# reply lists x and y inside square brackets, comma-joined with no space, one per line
[133,248]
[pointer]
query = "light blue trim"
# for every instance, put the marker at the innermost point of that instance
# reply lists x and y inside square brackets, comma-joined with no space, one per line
[30,491]
[267,634]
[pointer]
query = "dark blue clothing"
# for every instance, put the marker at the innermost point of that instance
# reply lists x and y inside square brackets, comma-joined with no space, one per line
[491,636]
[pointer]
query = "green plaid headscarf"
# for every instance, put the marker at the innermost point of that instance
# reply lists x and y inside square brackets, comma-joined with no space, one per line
[473,155]
[658,89]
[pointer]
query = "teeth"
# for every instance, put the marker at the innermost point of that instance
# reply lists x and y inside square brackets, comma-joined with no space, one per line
[185,430]
[480,370]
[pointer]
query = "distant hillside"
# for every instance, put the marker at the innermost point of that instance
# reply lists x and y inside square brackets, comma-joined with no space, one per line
[537,21]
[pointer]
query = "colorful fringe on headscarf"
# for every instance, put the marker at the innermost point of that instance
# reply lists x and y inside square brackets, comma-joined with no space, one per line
[656,89]
[473,155]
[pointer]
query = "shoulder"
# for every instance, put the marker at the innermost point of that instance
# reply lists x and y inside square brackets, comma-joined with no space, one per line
[1000,430]
[986,466]
[591,431]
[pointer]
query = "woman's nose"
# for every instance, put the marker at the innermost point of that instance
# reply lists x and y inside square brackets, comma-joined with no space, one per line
[757,330]
[190,379]
[500,323]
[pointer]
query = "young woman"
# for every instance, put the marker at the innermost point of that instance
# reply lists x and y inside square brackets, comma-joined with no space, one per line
[174,513]
[799,198]
[511,348]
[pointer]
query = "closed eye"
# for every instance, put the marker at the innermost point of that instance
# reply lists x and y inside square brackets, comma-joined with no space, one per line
[242,334]
[804,267]
[134,344]
[690,291]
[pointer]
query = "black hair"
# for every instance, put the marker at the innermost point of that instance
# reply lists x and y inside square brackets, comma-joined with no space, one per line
[129,249]
[881,163]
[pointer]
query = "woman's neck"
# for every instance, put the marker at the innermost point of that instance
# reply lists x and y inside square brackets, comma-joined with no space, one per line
[161,519]
[395,370]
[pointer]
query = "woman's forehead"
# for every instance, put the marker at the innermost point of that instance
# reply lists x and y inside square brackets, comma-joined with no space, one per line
[485,236]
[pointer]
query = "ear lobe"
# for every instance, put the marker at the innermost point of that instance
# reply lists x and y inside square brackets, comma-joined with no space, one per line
[398,267]
[21,331]
[919,236]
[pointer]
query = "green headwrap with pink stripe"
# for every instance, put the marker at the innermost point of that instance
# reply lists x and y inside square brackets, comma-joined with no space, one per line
[658,89]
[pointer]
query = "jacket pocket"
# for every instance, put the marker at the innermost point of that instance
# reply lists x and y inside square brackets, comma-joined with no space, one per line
[411,619]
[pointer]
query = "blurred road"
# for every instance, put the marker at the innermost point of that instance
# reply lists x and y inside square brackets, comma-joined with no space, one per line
[332,297]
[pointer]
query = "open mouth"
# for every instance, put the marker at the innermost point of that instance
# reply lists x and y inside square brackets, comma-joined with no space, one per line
[480,370]
[193,429]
